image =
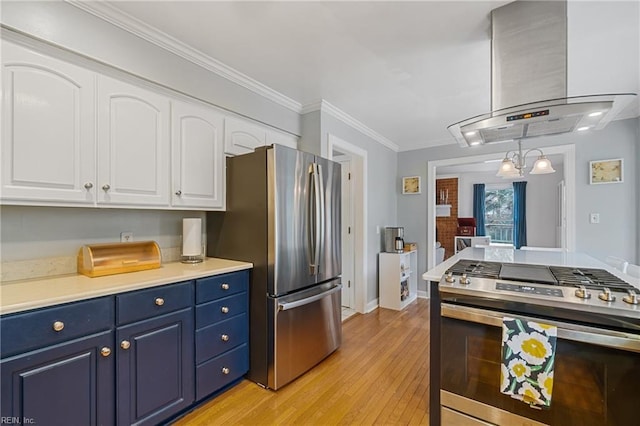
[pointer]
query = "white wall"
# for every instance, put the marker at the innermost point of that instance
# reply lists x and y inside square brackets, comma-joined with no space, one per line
[617,233]
[40,232]
[542,204]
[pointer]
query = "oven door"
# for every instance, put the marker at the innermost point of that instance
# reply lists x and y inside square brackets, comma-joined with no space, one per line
[596,378]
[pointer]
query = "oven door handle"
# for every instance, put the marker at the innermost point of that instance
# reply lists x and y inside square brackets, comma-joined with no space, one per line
[567,331]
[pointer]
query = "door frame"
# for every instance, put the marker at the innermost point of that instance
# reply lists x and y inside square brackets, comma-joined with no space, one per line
[345,159]
[569,166]
[359,194]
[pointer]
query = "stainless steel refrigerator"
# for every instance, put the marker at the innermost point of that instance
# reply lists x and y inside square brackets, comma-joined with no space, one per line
[283,215]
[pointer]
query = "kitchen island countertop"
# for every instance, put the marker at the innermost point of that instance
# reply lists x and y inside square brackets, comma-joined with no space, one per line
[509,255]
[17,296]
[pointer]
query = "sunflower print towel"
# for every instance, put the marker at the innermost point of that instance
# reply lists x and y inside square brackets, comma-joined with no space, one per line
[528,352]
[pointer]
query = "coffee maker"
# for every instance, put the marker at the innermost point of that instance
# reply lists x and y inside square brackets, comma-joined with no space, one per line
[394,240]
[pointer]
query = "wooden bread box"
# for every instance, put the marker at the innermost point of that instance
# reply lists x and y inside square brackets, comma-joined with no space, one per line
[97,260]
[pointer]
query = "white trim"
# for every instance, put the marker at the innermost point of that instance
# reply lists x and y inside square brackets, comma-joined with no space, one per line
[569,160]
[153,35]
[423,294]
[359,171]
[371,306]
[325,106]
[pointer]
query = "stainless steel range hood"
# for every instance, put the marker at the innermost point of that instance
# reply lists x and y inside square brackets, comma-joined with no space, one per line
[529,80]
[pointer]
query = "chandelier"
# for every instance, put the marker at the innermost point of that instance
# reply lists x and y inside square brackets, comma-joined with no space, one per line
[514,164]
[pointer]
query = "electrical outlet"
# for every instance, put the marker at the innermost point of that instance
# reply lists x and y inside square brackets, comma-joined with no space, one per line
[126,237]
[594,218]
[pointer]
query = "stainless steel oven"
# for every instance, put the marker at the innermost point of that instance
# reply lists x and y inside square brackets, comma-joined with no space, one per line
[597,356]
[596,380]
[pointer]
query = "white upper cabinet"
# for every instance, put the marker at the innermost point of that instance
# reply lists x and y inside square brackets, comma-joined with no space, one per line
[241,136]
[197,157]
[286,139]
[47,129]
[133,145]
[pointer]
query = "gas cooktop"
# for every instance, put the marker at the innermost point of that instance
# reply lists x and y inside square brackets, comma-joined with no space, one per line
[590,278]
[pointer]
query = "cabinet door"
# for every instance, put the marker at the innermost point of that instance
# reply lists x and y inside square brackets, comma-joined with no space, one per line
[133,145]
[47,137]
[155,368]
[67,384]
[274,136]
[241,137]
[197,157]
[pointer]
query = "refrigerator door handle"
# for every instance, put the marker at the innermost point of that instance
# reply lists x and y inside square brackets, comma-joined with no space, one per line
[321,217]
[307,300]
[316,217]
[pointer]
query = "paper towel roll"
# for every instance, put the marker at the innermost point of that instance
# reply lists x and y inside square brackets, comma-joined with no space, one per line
[191,237]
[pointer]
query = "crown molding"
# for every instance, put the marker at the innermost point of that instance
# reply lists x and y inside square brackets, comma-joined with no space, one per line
[325,106]
[151,34]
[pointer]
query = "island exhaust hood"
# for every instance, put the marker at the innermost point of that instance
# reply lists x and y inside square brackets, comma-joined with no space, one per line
[529,80]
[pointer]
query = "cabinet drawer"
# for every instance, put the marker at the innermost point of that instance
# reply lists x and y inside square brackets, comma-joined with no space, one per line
[154,301]
[220,337]
[34,329]
[221,309]
[211,376]
[221,286]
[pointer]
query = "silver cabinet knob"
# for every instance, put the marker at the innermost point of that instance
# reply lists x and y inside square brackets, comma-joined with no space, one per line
[88,185]
[224,286]
[105,352]
[106,187]
[159,301]
[225,370]
[178,193]
[125,344]
[58,326]
[606,295]
[224,337]
[583,293]
[631,298]
[224,310]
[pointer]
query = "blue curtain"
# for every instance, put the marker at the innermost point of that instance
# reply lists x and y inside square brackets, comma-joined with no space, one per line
[478,208]
[519,214]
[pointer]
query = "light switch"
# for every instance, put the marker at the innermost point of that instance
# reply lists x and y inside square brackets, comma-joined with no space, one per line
[594,218]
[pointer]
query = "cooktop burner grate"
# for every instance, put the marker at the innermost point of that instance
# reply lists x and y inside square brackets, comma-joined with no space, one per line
[594,279]
[476,268]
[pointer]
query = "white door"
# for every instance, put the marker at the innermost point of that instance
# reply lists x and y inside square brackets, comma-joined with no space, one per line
[47,129]
[242,137]
[197,157]
[133,145]
[348,248]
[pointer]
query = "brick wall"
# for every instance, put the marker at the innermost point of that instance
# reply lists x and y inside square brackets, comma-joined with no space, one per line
[446,227]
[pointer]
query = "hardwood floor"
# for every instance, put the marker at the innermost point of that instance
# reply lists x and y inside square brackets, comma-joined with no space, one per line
[378,376]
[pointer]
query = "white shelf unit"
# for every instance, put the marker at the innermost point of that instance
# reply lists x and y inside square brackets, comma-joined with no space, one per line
[398,279]
[461,243]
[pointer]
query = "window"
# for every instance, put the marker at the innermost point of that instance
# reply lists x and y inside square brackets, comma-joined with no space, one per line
[498,216]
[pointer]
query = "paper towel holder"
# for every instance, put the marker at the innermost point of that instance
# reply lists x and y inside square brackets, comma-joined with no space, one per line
[192,241]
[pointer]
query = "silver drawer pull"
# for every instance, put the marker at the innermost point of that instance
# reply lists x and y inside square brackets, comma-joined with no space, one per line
[225,286]
[225,370]
[224,310]
[58,326]
[224,337]
[159,301]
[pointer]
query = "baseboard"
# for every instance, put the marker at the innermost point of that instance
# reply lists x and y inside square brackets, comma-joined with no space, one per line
[371,306]
[423,294]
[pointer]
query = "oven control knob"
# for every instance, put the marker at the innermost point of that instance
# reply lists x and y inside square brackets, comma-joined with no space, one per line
[583,293]
[606,295]
[449,278]
[631,298]
[464,280]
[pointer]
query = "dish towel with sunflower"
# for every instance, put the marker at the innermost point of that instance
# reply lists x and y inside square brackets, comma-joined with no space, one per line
[528,353]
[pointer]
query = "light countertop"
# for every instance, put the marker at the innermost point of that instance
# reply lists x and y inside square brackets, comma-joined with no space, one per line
[510,255]
[16,296]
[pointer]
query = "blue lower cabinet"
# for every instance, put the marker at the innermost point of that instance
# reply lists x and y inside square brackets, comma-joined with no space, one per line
[155,368]
[70,383]
[221,371]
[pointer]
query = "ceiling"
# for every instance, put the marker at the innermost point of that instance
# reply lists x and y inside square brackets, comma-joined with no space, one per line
[406,70]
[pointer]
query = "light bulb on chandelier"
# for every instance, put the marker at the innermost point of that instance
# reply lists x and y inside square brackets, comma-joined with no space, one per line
[514,164]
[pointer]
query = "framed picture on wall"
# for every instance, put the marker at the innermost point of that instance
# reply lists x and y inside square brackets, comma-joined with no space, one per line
[411,185]
[605,171]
